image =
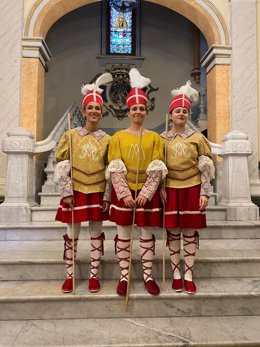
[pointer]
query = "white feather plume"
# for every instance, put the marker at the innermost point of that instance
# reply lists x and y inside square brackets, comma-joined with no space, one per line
[137,80]
[187,89]
[105,78]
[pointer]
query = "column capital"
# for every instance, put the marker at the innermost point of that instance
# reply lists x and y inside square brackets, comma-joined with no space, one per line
[36,47]
[216,55]
[19,140]
[236,143]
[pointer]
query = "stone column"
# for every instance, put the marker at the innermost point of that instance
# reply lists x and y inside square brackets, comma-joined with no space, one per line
[35,57]
[217,63]
[19,146]
[244,80]
[235,184]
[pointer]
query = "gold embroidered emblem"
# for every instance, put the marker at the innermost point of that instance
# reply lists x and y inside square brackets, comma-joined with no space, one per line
[179,150]
[134,152]
[89,150]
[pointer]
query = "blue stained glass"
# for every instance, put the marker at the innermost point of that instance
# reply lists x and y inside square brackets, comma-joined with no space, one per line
[120,32]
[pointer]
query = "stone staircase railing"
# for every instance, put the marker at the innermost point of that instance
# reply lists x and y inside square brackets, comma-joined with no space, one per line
[231,187]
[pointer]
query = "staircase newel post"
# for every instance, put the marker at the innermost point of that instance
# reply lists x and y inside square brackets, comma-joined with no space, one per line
[235,180]
[19,147]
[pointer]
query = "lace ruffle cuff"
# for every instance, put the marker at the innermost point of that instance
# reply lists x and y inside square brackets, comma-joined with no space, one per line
[157,165]
[116,165]
[62,178]
[62,169]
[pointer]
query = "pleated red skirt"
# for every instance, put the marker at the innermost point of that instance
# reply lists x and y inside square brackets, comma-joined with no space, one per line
[182,208]
[148,216]
[86,207]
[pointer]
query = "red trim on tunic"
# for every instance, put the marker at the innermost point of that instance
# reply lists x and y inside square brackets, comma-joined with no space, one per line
[87,207]
[88,184]
[182,170]
[85,173]
[148,216]
[182,208]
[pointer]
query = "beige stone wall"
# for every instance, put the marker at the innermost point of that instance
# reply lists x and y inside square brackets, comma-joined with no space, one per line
[10,72]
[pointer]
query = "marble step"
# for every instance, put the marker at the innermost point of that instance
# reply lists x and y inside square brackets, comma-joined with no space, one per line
[29,231]
[42,260]
[49,199]
[232,331]
[44,300]
[48,213]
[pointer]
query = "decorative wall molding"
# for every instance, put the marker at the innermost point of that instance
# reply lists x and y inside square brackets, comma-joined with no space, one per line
[218,19]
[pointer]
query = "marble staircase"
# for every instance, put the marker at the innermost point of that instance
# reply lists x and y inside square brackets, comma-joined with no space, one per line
[33,311]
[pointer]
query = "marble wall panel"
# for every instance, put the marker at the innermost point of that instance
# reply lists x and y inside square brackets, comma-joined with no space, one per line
[10,72]
[244,75]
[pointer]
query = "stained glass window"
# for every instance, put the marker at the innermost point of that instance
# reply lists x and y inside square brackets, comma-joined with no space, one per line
[121,20]
[121,35]
[121,38]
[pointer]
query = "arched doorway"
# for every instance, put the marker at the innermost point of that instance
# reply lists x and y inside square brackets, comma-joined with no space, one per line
[206,17]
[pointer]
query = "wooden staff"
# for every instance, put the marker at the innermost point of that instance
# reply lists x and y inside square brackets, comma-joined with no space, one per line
[72,211]
[133,222]
[164,183]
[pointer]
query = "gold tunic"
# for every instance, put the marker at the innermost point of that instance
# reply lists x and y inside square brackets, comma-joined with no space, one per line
[124,146]
[89,158]
[183,154]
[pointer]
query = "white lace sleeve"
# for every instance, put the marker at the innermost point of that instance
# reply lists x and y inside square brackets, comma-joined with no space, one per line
[116,165]
[205,184]
[151,185]
[120,185]
[206,164]
[157,165]
[108,191]
[62,178]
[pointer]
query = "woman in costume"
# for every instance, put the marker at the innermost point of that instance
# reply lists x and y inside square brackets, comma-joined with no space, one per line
[128,174]
[190,169]
[83,188]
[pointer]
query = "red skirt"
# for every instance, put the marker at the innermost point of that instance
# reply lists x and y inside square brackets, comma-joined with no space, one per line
[86,207]
[148,216]
[182,208]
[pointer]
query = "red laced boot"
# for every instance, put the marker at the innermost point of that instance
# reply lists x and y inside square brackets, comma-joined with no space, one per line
[148,252]
[174,245]
[190,243]
[94,285]
[123,254]
[67,286]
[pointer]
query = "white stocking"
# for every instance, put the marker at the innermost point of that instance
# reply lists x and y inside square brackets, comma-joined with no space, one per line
[190,241]
[122,249]
[147,250]
[76,230]
[174,245]
[67,256]
[97,246]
